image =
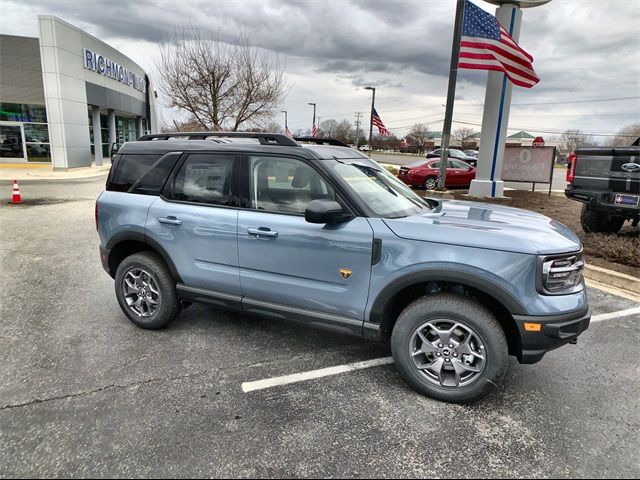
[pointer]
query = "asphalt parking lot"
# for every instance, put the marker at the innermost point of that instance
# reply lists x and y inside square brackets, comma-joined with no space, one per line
[83,392]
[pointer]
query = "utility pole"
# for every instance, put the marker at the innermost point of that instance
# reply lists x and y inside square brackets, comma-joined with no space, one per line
[286,125]
[358,123]
[451,94]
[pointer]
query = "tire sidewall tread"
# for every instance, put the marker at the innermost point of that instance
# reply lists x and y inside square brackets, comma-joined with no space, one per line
[457,308]
[169,304]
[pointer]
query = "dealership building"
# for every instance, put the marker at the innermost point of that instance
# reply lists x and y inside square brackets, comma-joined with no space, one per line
[66,93]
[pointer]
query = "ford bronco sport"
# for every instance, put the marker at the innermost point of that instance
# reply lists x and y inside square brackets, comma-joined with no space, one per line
[321,234]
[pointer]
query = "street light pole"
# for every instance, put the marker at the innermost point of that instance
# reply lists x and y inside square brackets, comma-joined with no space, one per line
[373,106]
[286,126]
[314,117]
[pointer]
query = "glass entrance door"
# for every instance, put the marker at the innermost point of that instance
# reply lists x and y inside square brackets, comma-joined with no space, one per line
[11,142]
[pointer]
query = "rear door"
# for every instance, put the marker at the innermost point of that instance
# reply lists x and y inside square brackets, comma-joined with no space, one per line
[462,172]
[196,221]
[292,268]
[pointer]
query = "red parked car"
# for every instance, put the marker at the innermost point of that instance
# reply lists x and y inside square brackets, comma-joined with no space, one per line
[425,174]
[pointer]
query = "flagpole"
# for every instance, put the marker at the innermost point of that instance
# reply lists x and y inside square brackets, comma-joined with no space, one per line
[373,106]
[451,93]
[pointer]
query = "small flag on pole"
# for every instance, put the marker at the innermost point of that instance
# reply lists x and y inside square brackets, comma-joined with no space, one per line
[314,130]
[288,132]
[377,121]
[486,45]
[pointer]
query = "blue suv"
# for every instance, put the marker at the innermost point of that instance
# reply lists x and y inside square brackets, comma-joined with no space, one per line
[321,234]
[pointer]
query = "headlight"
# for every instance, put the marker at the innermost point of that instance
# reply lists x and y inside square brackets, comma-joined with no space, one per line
[560,274]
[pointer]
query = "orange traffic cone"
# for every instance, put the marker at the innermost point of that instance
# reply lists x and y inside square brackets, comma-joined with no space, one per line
[17,198]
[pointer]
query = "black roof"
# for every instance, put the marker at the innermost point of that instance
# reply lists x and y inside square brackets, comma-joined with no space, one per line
[241,142]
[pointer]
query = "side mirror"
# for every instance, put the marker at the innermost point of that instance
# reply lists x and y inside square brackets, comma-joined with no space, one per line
[325,211]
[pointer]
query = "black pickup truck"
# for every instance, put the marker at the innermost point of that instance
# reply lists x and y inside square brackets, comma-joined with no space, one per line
[607,181]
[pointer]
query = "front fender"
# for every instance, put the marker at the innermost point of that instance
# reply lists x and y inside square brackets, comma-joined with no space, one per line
[482,280]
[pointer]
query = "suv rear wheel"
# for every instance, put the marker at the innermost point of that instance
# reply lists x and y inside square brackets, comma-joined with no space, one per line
[146,291]
[450,348]
[594,221]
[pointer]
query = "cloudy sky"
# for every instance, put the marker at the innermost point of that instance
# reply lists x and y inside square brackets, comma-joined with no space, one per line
[587,54]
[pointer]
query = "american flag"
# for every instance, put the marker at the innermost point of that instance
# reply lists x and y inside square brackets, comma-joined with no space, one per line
[288,132]
[377,121]
[486,45]
[314,130]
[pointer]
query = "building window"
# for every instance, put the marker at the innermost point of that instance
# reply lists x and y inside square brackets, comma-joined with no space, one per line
[104,130]
[36,137]
[126,130]
[27,137]
[21,112]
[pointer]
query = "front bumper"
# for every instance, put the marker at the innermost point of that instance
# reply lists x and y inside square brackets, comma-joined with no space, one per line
[555,331]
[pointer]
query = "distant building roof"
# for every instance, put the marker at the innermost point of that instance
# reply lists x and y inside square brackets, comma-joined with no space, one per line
[521,136]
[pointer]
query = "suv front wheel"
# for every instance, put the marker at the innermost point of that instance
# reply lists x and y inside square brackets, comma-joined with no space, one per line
[146,291]
[449,347]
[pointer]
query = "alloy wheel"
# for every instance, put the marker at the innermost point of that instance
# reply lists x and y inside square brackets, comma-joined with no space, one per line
[141,292]
[447,353]
[430,183]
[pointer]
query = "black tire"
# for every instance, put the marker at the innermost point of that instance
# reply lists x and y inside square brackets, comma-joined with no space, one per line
[430,183]
[169,303]
[463,310]
[594,221]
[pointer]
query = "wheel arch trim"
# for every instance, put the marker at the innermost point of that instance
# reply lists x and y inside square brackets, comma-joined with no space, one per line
[476,278]
[142,238]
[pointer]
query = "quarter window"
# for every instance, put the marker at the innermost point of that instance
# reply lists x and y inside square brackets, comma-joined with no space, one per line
[205,178]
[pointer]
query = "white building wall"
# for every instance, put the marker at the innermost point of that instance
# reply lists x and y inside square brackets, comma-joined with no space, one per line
[62,54]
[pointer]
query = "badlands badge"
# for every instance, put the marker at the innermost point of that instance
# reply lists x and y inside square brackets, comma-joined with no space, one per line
[345,272]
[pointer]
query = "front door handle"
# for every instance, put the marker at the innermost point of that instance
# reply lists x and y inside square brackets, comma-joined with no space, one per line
[171,220]
[262,232]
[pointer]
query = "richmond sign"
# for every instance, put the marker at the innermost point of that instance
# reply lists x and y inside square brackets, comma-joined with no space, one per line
[104,66]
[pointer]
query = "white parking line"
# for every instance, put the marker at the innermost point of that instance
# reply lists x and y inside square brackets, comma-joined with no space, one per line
[618,314]
[323,372]
[351,367]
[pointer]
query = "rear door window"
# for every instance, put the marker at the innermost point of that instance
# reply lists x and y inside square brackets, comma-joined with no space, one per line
[206,178]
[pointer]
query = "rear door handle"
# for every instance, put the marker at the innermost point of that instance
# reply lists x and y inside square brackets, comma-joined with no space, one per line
[262,232]
[171,220]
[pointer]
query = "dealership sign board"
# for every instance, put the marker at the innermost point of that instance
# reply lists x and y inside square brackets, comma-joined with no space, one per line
[528,164]
[104,66]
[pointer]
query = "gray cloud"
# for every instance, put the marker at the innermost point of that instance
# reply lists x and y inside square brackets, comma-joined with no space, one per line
[582,48]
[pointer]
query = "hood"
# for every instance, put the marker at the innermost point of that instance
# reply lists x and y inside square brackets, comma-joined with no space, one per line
[488,226]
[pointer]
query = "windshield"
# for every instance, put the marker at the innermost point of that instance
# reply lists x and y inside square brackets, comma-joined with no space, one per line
[383,193]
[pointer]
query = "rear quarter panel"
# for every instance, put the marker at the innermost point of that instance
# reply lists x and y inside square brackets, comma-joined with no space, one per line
[121,214]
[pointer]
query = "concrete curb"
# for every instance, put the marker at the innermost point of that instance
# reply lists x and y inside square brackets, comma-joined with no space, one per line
[626,283]
[48,174]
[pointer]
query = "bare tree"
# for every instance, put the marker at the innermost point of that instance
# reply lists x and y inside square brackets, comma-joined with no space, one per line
[626,136]
[463,136]
[221,85]
[420,134]
[572,139]
[328,128]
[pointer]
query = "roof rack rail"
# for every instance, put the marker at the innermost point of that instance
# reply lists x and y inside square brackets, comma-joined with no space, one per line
[263,138]
[321,141]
